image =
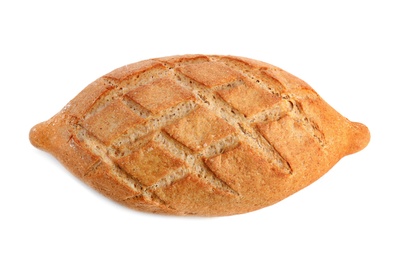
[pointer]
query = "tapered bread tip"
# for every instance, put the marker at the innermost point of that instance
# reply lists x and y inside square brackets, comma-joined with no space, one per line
[37,136]
[360,138]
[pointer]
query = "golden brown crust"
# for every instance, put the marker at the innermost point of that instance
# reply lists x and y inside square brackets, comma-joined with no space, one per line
[149,164]
[286,133]
[111,121]
[160,95]
[210,74]
[199,129]
[199,135]
[256,101]
[249,173]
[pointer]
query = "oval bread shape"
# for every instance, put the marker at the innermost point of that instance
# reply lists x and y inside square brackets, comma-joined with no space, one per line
[199,135]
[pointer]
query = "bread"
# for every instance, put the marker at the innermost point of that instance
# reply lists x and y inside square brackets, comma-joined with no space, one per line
[199,135]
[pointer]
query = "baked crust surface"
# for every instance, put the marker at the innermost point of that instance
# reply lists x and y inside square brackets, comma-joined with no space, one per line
[199,135]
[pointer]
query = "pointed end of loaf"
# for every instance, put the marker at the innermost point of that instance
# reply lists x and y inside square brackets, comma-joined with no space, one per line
[359,138]
[38,136]
[49,134]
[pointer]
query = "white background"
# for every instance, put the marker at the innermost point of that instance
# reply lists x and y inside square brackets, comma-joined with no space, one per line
[346,50]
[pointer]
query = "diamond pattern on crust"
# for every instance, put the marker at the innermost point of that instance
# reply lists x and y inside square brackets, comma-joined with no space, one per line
[244,170]
[196,192]
[160,95]
[112,121]
[210,74]
[156,169]
[256,100]
[286,133]
[199,129]
[149,164]
[101,178]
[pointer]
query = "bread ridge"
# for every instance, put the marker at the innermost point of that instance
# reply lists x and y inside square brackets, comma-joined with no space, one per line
[296,98]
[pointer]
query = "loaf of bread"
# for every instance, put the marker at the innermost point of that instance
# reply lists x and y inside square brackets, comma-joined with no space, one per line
[198,135]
